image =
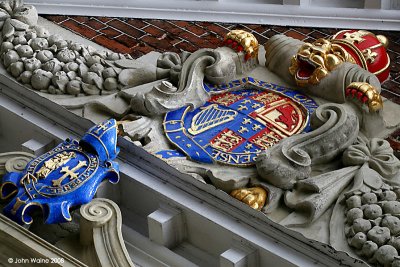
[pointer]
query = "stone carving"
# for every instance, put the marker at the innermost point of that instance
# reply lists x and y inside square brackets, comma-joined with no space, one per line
[366,212]
[14,161]
[50,64]
[279,51]
[100,228]
[336,127]
[321,172]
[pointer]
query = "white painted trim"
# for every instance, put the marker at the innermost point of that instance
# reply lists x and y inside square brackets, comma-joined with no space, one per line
[305,13]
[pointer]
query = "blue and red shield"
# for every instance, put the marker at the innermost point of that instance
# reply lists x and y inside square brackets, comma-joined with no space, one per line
[240,120]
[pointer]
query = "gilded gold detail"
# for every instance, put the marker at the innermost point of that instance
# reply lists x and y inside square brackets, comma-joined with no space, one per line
[28,178]
[265,98]
[266,140]
[210,117]
[369,55]
[255,197]
[17,205]
[54,163]
[227,99]
[314,61]
[246,40]
[374,101]
[356,36]
[72,174]
[383,40]
[226,141]
[243,130]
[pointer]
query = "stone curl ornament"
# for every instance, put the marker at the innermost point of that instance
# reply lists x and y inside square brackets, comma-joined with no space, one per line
[67,176]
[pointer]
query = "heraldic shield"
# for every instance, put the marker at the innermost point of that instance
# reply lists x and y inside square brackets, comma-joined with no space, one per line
[65,177]
[240,120]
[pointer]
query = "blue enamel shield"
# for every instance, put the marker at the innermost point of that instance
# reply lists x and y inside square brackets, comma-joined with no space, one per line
[240,120]
[65,177]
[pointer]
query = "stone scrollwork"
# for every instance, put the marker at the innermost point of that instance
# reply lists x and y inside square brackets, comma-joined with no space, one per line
[165,97]
[14,161]
[336,128]
[100,227]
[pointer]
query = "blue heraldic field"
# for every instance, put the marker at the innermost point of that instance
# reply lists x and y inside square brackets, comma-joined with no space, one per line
[241,119]
[66,176]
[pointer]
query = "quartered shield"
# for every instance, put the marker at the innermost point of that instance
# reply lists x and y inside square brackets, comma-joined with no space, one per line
[241,119]
[66,176]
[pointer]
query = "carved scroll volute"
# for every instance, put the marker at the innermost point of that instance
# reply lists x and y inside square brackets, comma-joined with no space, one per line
[100,228]
[14,161]
[336,128]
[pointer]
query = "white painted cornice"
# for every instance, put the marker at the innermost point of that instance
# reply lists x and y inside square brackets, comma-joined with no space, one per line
[367,14]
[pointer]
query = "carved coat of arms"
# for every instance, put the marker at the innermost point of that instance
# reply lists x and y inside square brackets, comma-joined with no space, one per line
[66,176]
[234,126]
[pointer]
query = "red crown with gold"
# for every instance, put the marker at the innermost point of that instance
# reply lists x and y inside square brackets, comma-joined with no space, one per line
[367,49]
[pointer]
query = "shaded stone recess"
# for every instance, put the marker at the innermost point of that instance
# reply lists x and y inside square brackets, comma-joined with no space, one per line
[140,36]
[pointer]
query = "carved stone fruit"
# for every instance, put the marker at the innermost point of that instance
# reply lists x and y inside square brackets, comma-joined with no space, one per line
[54,38]
[52,65]
[379,235]
[361,225]
[353,202]
[74,87]
[385,255]
[372,211]
[6,46]
[25,51]
[395,242]
[38,44]
[353,214]
[42,32]
[60,80]
[369,248]
[41,79]
[71,66]
[111,84]
[388,195]
[66,55]
[44,56]
[32,64]
[396,262]
[97,68]
[26,77]
[30,34]
[10,57]
[393,223]
[93,78]
[76,47]
[16,68]
[109,73]
[391,207]
[20,40]
[358,240]
[369,198]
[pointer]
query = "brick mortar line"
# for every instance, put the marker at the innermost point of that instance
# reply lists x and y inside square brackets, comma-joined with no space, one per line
[391,92]
[86,25]
[127,24]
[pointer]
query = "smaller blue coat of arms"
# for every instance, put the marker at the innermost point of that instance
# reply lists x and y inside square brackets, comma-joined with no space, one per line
[65,177]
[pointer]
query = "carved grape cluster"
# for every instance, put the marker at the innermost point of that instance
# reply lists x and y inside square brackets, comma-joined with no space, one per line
[373,225]
[50,64]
